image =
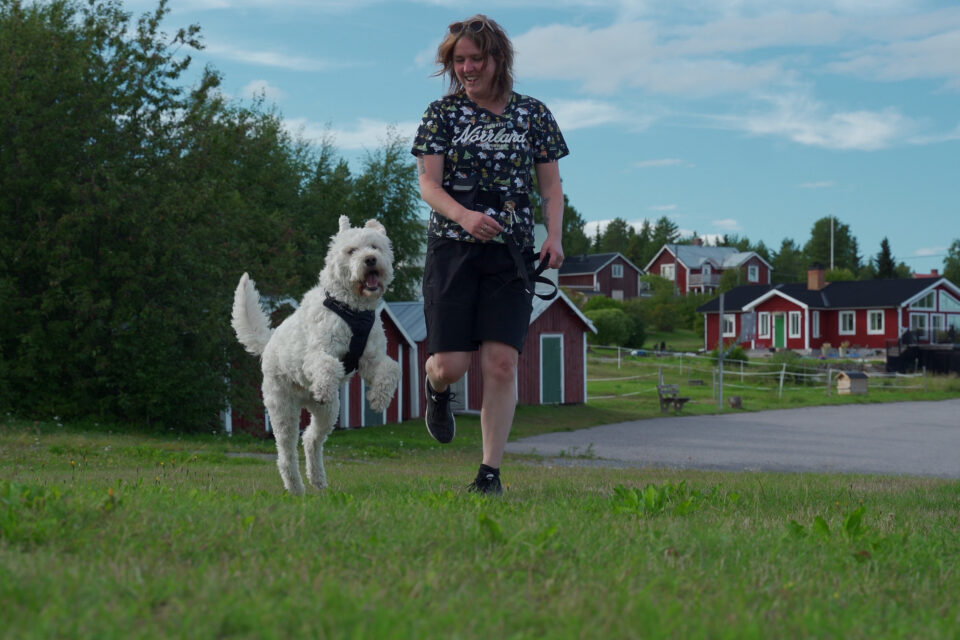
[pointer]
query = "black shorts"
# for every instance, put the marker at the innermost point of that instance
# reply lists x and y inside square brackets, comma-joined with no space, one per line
[473,293]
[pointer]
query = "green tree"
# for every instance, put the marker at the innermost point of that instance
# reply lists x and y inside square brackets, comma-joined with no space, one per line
[845,247]
[884,264]
[951,263]
[665,231]
[575,240]
[614,327]
[788,263]
[641,250]
[616,237]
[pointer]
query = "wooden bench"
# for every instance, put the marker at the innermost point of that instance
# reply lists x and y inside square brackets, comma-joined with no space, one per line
[668,397]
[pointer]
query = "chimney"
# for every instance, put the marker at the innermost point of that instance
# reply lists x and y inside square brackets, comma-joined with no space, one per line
[698,241]
[816,277]
[934,273]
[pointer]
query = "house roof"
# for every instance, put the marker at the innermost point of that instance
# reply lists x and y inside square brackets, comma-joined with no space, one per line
[851,294]
[409,315]
[695,256]
[590,263]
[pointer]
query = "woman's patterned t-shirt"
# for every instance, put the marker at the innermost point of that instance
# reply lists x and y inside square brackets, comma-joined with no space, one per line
[500,149]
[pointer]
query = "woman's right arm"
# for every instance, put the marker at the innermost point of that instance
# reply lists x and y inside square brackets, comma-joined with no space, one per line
[430,177]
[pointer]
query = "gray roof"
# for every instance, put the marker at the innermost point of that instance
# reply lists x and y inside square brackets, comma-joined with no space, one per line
[410,316]
[590,263]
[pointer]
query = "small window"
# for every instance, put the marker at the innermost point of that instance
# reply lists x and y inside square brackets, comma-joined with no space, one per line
[926,302]
[729,325]
[667,271]
[617,270]
[753,273]
[848,323]
[706,270]
[875,321]
[795,331]
[815,321]
[763,319]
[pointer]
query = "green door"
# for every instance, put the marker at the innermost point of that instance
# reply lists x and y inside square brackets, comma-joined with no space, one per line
[551,369]
[778,332]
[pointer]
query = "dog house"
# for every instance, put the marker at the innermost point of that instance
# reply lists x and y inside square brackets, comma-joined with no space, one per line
[851,382]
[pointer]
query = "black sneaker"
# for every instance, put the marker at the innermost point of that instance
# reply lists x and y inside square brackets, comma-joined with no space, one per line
[439,417]
[487,481]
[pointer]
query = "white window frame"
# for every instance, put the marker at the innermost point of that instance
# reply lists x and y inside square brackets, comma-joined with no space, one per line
[871,314]
[616,270]
[924,319]
[853,323]
[815,329]
[763,324]
[753,273]
[730,318]
[705,271]
[937,324]
[795,320]
[668,271]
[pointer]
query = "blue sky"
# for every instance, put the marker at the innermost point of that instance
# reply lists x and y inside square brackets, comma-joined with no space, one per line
[734,116]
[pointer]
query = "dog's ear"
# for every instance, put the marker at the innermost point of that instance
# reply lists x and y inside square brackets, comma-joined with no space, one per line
[376,226]
[344,223]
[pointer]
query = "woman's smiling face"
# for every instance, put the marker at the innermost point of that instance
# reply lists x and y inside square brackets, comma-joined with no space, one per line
[474,71]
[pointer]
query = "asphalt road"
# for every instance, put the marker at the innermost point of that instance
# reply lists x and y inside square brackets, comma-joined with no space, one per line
[904,438]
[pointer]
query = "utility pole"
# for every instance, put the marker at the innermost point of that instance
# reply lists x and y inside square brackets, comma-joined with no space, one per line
[831,241]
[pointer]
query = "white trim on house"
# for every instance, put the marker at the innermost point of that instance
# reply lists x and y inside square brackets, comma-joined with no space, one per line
[732,332]
[584,337]
[562,367]
[871,313]
[763,320]
[753,273]
[815,323]
[949,285]
[794,318]
[841,314]
[770,294]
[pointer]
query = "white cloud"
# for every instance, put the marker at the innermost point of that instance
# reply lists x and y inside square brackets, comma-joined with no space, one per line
[660,162]
[663,207]
[262,87]
[808,122]
[582,114]
[271,58]
[365,134]
[823,184]
[930,251]
[727,224]
[931,57]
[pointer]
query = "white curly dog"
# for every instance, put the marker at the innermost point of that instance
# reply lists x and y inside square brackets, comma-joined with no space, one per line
[312,353]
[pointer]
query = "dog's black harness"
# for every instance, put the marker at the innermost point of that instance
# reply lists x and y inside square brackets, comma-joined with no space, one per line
[360,323]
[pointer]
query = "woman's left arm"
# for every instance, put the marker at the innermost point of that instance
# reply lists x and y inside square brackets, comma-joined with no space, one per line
[551,197]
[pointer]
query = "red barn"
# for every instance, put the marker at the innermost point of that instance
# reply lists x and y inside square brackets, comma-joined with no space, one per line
[551,370]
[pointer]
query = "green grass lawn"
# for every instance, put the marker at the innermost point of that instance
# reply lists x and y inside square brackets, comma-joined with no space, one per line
[147,536]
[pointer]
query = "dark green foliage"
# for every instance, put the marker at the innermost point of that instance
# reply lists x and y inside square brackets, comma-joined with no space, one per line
[130,206]
[614,326]
[951,264]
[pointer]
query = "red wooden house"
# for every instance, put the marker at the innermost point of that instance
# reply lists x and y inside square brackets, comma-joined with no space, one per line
[552,368]
[806,316]
[608,274]
[698,268]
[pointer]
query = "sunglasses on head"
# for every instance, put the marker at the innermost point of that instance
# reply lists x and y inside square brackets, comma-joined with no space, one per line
[474,25]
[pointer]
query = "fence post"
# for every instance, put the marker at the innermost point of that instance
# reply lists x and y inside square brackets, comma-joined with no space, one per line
[828,380]
[660,374]
[924,378]
[783,372]
[713,382]
[618,356]
[741,372]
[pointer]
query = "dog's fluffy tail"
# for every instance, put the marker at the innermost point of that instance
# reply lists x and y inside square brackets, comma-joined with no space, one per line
[249,320]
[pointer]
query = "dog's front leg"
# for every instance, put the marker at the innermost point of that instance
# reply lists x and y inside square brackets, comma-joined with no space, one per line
[323,416]
[325,374]
[382,376]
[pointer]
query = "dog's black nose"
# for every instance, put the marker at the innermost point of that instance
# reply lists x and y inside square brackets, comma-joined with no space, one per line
[371,261]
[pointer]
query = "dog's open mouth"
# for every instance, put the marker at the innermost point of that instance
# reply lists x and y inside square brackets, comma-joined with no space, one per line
[371,281]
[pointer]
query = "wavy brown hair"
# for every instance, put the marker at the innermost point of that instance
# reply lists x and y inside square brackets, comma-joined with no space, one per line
[490,39]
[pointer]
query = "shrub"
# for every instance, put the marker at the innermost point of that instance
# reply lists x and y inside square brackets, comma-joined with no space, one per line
[614,327]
